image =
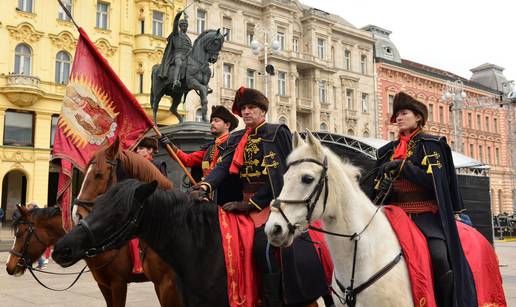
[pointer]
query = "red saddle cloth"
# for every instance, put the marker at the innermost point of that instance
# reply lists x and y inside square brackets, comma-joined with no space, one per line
[479,254]
[134,250]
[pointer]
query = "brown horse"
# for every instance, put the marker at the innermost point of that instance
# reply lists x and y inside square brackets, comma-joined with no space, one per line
[112,270]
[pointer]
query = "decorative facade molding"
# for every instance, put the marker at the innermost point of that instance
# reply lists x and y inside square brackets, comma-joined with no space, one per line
[105,47]
[63,40]
[25,32]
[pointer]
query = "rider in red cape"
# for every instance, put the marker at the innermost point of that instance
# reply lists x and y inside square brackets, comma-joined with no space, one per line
[258,155]
[418,171]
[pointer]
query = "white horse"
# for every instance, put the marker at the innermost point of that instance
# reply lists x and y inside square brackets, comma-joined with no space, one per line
[319,185]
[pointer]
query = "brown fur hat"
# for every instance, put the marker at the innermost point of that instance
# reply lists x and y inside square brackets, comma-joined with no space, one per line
[405,101]
[149,142]
[224,114]
[249,96]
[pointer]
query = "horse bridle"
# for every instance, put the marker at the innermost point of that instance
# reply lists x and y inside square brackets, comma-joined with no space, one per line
[310,202]
[24,257]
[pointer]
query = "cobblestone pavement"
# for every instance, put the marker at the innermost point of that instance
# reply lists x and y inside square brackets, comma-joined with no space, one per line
[25,291]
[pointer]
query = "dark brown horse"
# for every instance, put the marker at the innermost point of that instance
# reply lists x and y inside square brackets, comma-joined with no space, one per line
[111,269]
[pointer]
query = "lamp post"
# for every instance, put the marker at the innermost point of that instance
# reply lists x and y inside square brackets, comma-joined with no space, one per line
[273,47]
[510,94]
[455,91]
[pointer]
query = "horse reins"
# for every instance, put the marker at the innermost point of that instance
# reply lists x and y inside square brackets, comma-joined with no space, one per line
[310,202]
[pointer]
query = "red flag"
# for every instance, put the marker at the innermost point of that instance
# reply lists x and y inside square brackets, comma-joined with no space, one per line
[97,108]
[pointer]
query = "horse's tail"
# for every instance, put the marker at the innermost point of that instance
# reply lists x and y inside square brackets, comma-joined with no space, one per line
[154,101]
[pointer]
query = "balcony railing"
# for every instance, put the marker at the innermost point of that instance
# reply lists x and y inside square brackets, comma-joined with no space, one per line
[23,90]
[352,114]
[24,80]
[227,93]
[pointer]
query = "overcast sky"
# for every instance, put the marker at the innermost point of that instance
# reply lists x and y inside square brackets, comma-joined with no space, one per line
[454,35]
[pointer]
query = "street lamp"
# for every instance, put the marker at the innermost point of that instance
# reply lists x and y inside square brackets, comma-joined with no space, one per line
[455,91]
[272,47]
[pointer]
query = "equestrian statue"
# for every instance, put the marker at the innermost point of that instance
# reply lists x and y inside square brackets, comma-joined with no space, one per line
[185,67]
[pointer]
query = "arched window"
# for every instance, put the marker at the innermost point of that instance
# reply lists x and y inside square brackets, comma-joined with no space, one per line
[198,115]
[283,120]
[366,134]
[23,60]
[351,132]
[323,127]
[63,62]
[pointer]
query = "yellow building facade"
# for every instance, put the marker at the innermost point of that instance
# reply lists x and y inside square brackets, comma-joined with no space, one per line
[39,44]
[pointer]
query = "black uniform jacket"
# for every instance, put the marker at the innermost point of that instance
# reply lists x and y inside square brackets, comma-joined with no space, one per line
[433,151]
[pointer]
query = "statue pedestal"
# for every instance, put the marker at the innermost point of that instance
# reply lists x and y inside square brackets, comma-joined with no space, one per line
[189,137]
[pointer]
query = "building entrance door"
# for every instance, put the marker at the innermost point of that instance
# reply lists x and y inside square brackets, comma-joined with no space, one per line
[14,191]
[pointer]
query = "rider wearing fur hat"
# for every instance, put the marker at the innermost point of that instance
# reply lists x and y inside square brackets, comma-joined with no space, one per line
[147,147]
[417,174]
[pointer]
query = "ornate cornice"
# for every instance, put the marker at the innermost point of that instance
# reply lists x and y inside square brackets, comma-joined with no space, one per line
[64,40]
[105,47]
[25,32]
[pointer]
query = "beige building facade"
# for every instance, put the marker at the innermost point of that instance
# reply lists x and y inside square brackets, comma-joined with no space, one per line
[323,69]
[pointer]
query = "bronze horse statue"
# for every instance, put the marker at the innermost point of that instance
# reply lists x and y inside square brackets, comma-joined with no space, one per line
[195,74]
[38,228]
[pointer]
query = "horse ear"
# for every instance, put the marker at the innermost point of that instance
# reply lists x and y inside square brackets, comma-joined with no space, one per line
[113,149]
[313,142]
[145,190]
[23,211]
[218,31]
[297,140]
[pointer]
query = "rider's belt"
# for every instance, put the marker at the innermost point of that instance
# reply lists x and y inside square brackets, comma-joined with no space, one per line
[250,188]
[412,198]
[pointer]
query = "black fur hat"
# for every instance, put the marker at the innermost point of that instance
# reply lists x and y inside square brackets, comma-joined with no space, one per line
[405,101]
[249,96]
[224,114]
[149,142]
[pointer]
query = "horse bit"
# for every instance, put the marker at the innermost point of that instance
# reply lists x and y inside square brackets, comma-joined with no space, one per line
[310,202]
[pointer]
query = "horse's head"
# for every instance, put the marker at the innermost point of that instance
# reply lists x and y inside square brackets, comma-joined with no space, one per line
[210,42]
[34,231]
[112,222]
[101,173]
[307,193]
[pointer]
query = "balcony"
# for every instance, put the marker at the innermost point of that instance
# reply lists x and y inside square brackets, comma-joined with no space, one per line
[23,90]
[304,105]
[227,93]
[351,114]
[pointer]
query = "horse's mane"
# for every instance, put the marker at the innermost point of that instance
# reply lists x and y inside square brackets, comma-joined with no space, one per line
[140,168]
[167,213]
[38,214]
[200,37]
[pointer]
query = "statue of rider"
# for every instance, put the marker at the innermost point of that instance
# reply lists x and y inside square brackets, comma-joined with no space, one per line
[178,46]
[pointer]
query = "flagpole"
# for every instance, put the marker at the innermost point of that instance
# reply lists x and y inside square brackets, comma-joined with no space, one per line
[174,156]
[68,13]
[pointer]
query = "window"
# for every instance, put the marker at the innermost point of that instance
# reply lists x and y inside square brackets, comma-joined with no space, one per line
[487,123]
[479,124]
[365,134]
[321,48]
[497,155]
[470,120]
[19,128]
[441,114]
[295,44]
[431,112]
[481,153]
[347,60]
[391,103]
[323,127]
[61,13]
[228,69]
[157,23]
[140,83]
[102,15]
[351,132]
[201,21]
[322,91]
[495,124]
[488,153]
[63,62]
[282,83]
[250,33]
[25,5]
[365,103]
[471,151]
[53,128]
[349,99]
[250,78]
[22,60]
[392,136]
[142,26]
[363,64]
[226,28]
[280,37]
[387,52]
[198,115]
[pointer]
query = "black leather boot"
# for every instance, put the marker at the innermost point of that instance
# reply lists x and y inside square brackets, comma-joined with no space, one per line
[271,290]
[444,290]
